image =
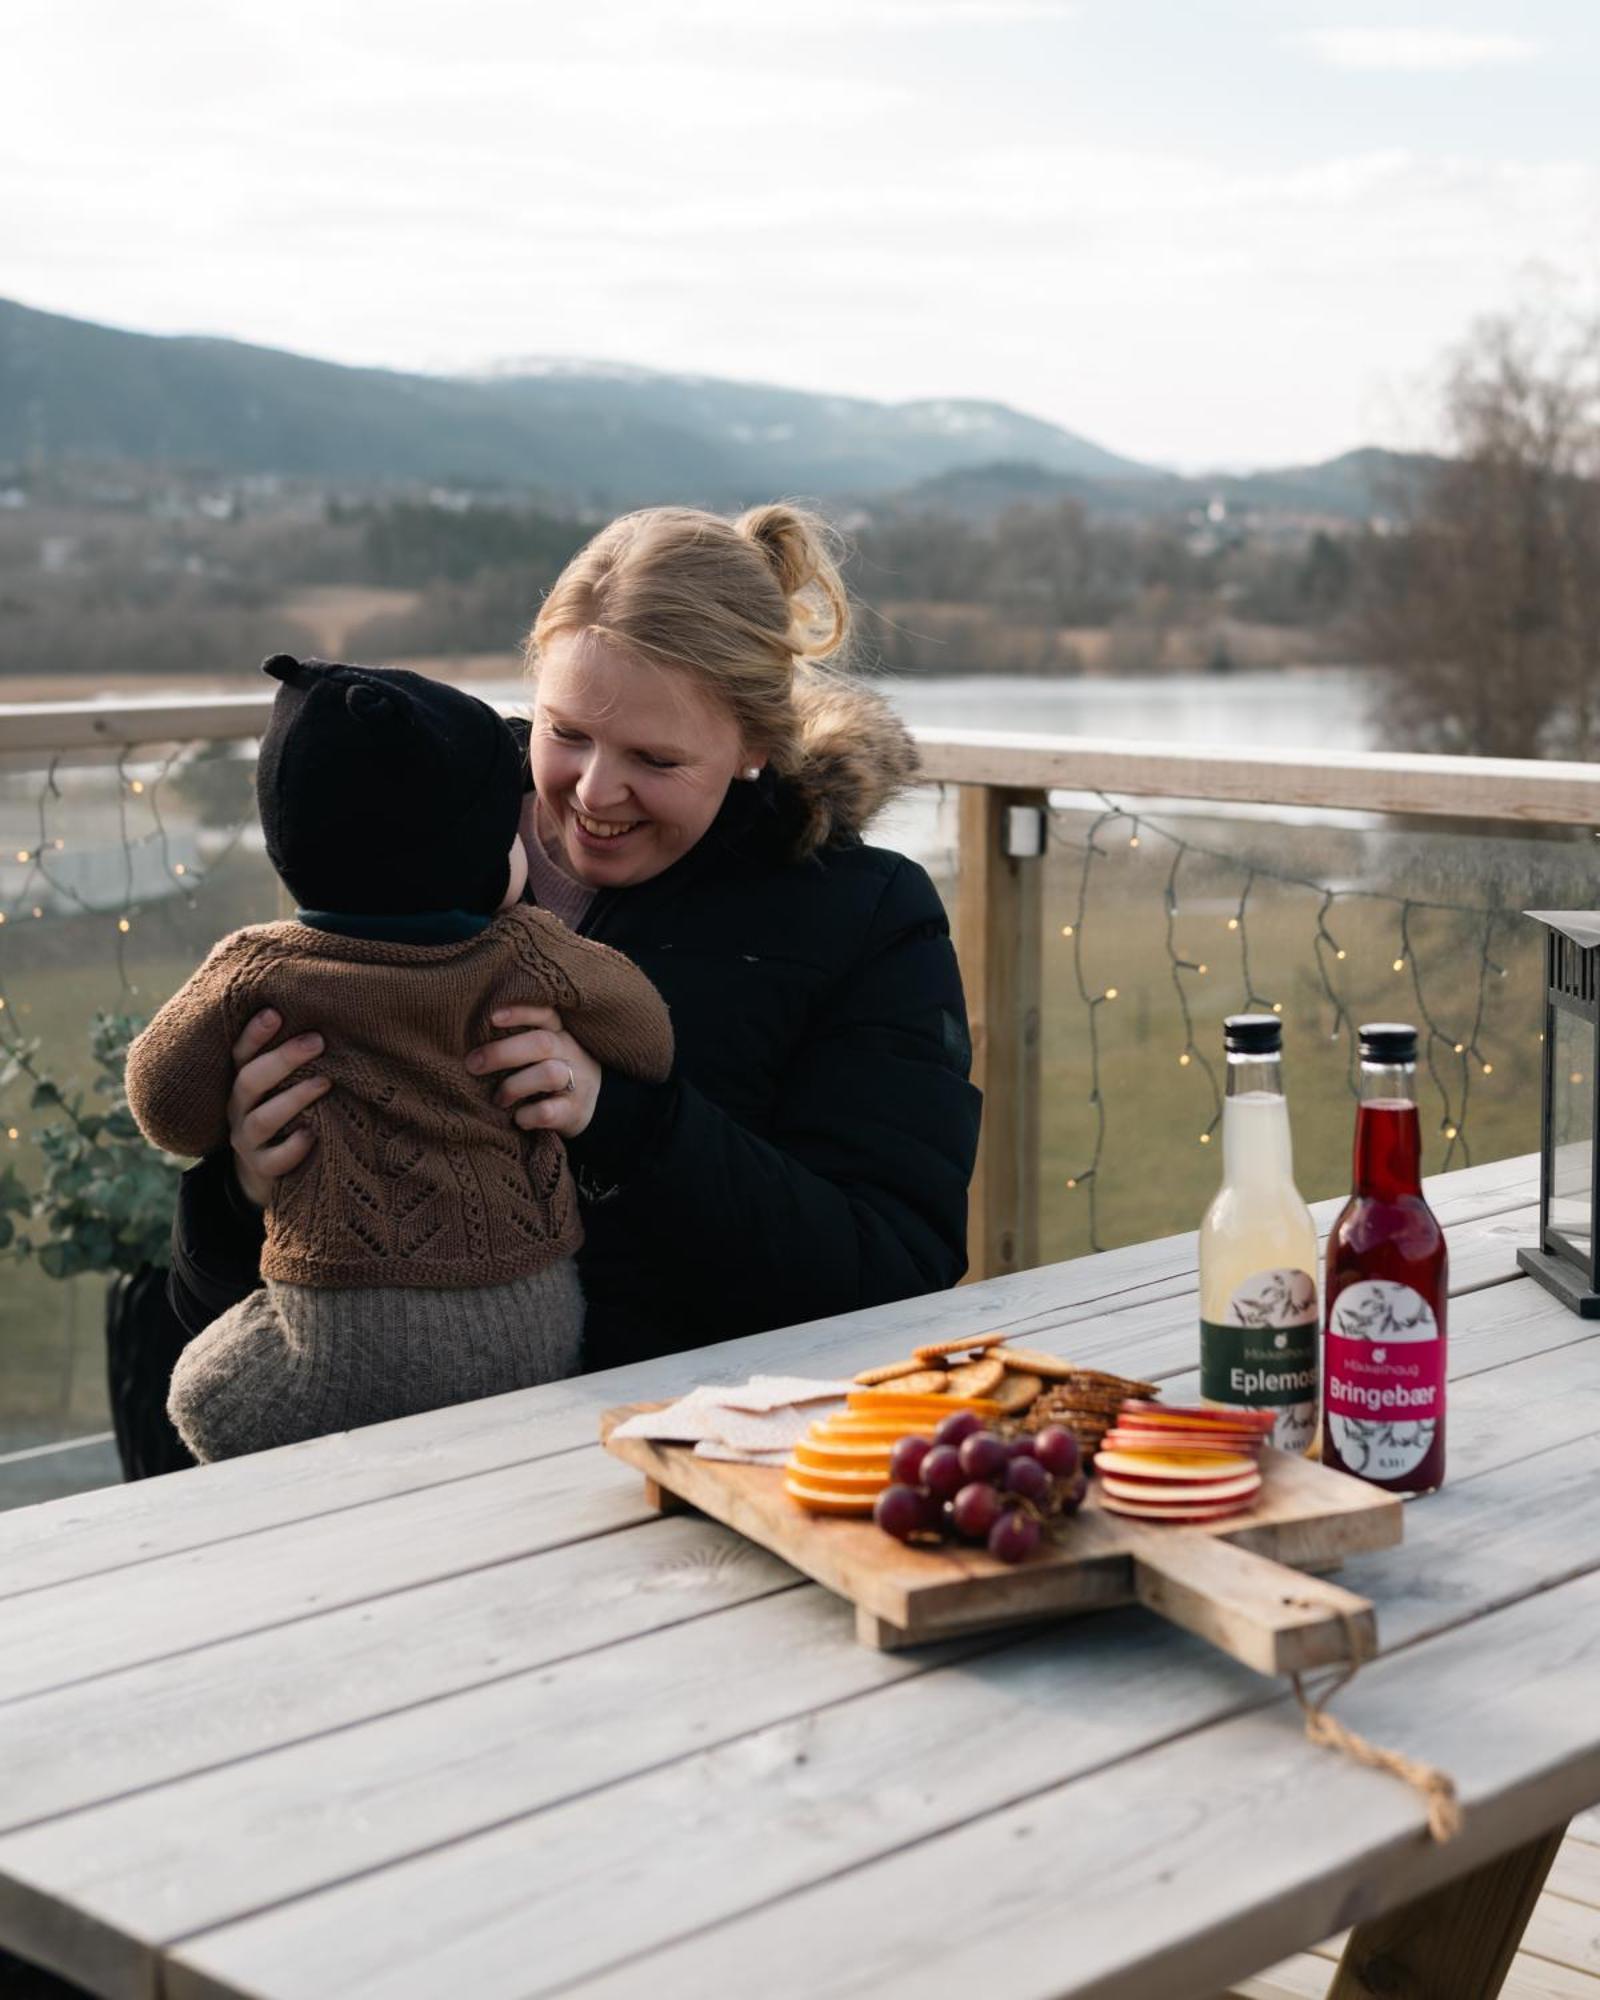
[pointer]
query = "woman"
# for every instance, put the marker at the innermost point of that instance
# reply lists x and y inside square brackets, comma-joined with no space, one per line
[699,788]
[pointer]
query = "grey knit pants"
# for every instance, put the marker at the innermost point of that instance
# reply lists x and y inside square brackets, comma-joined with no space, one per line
[289,1362]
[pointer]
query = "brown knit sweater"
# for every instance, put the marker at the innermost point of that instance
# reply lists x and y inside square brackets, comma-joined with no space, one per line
[416,1177]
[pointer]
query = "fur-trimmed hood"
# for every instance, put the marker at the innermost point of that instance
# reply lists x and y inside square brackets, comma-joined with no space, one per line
[856,755]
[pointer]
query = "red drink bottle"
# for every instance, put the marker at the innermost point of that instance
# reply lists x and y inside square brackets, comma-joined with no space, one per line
[1385,1345]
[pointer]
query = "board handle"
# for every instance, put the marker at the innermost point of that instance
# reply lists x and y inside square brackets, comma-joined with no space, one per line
[1275,1619]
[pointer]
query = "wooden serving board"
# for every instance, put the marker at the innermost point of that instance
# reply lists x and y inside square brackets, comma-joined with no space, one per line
[1239,1583]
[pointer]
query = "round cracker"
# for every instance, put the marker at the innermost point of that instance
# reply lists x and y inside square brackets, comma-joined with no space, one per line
[1016,1393]
[978,1378]
[925,1382]
[972,1343]
[891,1371]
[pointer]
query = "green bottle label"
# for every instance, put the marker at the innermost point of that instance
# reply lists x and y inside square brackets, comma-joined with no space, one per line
[1259,1367]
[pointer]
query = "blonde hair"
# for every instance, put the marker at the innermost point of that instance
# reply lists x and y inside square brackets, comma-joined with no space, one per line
[754,608]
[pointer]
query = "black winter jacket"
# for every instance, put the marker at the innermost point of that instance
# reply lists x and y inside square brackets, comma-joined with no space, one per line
[810,1153]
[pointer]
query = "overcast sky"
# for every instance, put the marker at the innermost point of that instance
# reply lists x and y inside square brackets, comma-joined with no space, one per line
[1201,232]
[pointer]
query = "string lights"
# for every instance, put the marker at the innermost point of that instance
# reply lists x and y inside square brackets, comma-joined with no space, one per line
[1452,1054]
[48,887]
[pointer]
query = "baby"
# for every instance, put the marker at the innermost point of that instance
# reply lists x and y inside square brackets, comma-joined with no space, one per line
[423,1253]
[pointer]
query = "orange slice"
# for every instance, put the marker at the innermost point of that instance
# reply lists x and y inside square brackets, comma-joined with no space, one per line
[830,1480]
[869,1431]
[889,1401]
[816,1500]
[825,1456]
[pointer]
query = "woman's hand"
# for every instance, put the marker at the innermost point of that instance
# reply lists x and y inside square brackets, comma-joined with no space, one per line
[260,1110]
[552,1080]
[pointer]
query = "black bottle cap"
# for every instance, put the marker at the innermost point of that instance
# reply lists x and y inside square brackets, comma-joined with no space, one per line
[1388,1042]
[1252,1035]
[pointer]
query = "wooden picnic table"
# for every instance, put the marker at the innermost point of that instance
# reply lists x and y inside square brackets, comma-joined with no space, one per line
[441,1708]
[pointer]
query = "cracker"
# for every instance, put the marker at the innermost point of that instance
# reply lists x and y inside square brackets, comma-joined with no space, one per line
[973,1343]
[1016,1393]
[978,1378]
[926,1382]
[891,1371]
[1032,1361]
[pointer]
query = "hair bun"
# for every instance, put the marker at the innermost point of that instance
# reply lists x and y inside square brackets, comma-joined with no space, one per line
[788,541]
[801,548]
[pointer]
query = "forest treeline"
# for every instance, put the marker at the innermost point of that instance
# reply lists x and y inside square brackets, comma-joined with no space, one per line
[1479,592]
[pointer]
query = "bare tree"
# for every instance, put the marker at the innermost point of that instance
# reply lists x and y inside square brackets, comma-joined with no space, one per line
[1486,603]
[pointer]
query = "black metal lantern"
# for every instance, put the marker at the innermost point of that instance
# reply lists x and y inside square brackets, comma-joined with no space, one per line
[1569,1118]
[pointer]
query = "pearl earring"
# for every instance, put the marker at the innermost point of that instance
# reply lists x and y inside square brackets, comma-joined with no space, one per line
[750,773]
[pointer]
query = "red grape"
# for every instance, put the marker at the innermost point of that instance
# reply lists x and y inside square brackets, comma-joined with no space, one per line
[1075,1491]
[958,1426]
[1014,1537]
[975,1510]
[941,1472]
[1057,1451]
[1027,1477]
[898,1510]
[905,1461]
[984,1456]
[1021,1447]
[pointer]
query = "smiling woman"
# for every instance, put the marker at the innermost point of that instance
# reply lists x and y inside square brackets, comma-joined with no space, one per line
[702,776]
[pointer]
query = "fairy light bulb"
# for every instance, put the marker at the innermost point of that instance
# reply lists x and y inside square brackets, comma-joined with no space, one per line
[12,1132]
[1202,968]
[1233,923]
[1205,1138]
[1461,1048]
[1183,1060]
[1066,930]
[136,785]
[1133,840]
[1111,993]
[123,925]
[1277,1006]
[1399,965]
[1488,1069]
[22,854]
[1339,952]
[1071,1182]
[1449,1131]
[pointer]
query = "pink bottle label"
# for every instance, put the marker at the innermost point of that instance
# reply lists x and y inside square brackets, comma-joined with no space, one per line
[1383,1378]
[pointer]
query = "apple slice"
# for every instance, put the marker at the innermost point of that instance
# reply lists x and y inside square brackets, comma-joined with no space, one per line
[1153,1493]
[1185,1467]
[1174,1516]
[1133,1437]
[1205,1414]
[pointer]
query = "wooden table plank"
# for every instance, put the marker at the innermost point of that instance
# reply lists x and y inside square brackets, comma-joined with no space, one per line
[115,1526]
[199,1852]
[1125,1881]
[235,1698]
[171,1604]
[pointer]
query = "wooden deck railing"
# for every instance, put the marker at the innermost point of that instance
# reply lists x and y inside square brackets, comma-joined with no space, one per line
[1005,781]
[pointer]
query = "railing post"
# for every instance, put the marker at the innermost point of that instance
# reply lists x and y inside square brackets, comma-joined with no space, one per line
[999,917]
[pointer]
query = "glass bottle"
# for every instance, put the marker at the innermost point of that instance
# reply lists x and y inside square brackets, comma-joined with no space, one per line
[1387,1289]
[1258,1249]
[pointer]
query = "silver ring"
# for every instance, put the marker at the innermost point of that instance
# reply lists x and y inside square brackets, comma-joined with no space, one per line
[571,1083]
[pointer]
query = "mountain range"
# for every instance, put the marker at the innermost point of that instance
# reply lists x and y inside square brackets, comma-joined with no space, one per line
[580,436]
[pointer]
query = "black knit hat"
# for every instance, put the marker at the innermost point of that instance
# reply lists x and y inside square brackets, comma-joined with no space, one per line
[383,793]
